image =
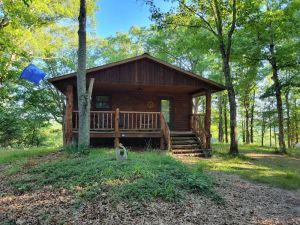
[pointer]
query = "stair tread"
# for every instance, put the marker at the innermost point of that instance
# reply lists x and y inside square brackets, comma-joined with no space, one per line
[191,154]
[181,132]
[185,145]
[184,142]
[187,150]
[183,138]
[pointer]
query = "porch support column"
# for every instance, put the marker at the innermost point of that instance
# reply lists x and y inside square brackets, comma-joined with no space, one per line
[207,123]
[117,129]
[68,117]
[162,141]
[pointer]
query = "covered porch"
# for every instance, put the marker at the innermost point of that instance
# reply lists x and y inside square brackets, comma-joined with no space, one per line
[131,124]
[127,124]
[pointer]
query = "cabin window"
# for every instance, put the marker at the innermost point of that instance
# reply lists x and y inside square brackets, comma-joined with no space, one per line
[103,102]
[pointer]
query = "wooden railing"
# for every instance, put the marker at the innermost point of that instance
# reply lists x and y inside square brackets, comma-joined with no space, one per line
[165,130]
[139,120]
[99,120]
[127,120]
[197,126]
[117,121]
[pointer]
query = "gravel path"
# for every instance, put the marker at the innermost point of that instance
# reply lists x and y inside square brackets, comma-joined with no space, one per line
[246,203]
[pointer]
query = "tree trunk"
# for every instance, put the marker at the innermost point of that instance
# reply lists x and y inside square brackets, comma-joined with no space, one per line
[270,129]
[274,133]
[207,122]
[277,87]
[243,131]
[263,126]
[232,104]
[279,110]
[252,120]
[296,123]
[288,121]
[83,101]
[247,126]
[225,120]
[221,132]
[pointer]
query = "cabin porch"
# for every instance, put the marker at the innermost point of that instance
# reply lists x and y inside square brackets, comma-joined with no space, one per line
[118,125]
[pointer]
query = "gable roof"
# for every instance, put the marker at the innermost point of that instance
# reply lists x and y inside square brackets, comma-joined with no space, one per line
[139,57]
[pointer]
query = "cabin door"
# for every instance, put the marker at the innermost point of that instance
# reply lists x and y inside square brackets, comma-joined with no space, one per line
[165,107]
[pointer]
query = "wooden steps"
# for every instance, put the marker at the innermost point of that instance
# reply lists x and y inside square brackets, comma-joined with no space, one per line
[186,144]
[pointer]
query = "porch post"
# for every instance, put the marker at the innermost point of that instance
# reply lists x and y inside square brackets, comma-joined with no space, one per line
[191,113]
[117,130]
[162,142]
[207,123]
[68,117]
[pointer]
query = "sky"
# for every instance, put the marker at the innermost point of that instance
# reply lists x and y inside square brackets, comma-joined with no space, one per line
[119,15]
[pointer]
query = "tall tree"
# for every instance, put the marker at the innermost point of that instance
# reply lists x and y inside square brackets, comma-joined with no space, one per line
[83,96]
[275,26]
[220,127]
[220,19]
[252,119]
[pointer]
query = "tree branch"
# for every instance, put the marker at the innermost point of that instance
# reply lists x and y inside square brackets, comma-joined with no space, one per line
[208,25]
[232,28]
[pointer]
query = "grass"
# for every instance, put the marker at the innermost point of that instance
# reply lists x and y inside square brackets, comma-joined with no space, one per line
[259,164]
[12,155]
[144,176]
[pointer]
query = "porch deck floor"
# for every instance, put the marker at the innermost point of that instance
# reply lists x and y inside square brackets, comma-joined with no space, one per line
[124,133]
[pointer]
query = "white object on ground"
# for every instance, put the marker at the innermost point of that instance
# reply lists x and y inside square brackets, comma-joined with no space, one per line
[298,145]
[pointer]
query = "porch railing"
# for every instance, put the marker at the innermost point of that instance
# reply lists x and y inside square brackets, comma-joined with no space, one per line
[99,120]
[127,121]
[118,121]
[139,120]
[197,126]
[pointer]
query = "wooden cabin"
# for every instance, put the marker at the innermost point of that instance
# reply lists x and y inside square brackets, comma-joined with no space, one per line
[142,97]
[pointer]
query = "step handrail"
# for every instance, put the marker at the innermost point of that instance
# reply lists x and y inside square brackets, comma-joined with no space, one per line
[198,129]
[165,130]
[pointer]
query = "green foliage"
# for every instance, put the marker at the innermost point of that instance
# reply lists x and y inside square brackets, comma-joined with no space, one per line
[77,150]
[12,155]
[122,45]
[33,31]
[144,176]
[259,164]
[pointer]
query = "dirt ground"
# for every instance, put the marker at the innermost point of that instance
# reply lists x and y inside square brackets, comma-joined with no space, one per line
[245,203]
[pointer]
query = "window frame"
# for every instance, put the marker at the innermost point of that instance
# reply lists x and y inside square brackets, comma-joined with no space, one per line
[109,103]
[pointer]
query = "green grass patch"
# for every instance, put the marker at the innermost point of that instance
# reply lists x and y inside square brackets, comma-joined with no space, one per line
[259,164]
[12,155]
[144,176]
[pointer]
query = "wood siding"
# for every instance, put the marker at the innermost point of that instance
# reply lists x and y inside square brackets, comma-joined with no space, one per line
[146,72]
[135,101]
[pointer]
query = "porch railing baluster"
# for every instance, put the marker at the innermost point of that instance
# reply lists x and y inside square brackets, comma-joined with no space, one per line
[105,121]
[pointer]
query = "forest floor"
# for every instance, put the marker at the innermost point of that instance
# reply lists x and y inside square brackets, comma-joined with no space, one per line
[33,189]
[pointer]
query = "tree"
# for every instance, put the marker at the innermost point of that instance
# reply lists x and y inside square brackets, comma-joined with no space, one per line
[220,19]
[82,93]
[38,32]
[220,127]
[275,27]
[122,45]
